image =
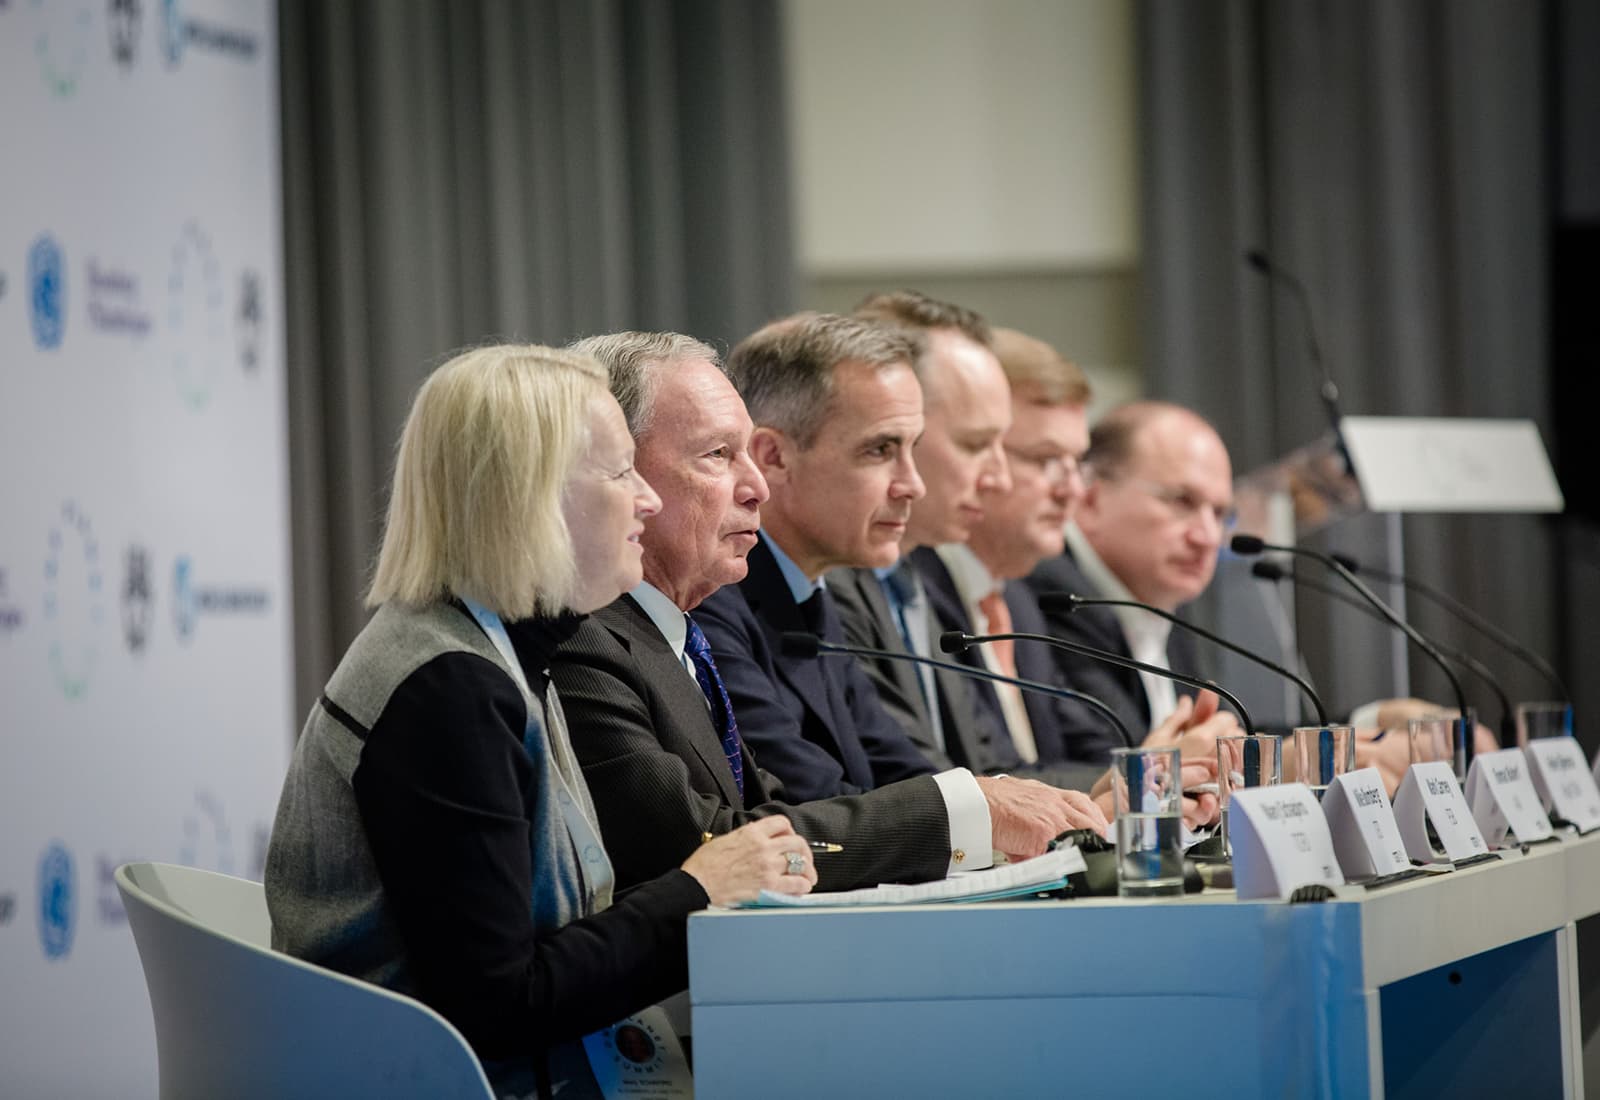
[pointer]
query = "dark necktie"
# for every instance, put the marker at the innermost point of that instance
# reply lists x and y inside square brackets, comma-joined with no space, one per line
[710,680]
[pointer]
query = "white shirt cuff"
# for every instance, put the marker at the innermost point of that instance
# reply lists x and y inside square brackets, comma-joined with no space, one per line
[1366,715]
[971,834]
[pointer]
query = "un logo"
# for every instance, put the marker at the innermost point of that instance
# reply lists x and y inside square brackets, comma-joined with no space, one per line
[58,901]
[47,283]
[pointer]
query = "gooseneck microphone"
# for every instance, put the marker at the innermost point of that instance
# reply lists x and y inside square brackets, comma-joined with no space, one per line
[1466,615]
[801,645]
[1071,601]
[1272,571]
[1250,545]
[955,641]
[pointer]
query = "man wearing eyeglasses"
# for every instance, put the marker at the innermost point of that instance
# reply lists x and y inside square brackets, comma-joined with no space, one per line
[1156,508]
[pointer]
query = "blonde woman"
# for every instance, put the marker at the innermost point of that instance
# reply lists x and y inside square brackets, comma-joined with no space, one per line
[434,834]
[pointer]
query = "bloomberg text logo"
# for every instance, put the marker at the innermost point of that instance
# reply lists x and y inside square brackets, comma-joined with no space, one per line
[47,287]
[58,900]
[180,32]
[190,601]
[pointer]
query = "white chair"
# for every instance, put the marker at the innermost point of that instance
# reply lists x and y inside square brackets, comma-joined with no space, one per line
[235,1018]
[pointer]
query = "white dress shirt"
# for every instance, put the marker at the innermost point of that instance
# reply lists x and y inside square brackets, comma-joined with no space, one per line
[1146,634]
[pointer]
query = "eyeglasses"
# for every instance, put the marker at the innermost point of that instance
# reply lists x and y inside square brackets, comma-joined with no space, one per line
[1053,466]
[1185,504]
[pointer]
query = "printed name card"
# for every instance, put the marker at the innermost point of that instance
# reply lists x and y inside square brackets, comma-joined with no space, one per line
[1366,837]
[1561,776]
[1280,841]
[1430,793]
[1503,800]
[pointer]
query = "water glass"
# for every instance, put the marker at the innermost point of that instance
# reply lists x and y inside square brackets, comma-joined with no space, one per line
[1542,720]
[1246,760]
[1432,739]
[1322,752]
[1149,791]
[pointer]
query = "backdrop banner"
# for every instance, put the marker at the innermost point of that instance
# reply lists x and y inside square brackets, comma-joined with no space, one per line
[145,675]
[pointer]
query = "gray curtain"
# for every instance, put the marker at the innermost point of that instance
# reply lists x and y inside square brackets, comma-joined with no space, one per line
[462,170]
[1393,155]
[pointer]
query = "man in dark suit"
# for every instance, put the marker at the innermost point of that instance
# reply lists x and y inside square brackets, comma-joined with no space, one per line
[1156,506]
[660,746]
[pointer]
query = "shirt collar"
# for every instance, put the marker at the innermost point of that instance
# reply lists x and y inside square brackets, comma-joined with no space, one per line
[667,616]
[801,587]
[972,578]
[1144,632]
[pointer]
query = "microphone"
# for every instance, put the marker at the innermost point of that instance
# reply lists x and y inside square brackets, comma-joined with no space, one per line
[798,644]
[955,641]
[1250,545]
[1465,614]
[1071,601]
[1327,391]
[1272,571]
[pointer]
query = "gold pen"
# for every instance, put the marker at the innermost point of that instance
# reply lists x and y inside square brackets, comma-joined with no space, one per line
[815,845]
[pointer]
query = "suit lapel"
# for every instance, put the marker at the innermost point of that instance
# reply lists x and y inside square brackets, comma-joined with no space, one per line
[680,695]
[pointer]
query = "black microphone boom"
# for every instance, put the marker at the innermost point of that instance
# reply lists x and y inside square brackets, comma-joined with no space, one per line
[1071,601]
[1272,571]
[1464,613]
[954,641]
[795,643]
[1250,545]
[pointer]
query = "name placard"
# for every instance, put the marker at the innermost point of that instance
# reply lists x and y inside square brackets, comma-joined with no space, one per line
[1503,800]
[1280,841]
[1562,778]
[1430,793]
[1366,837]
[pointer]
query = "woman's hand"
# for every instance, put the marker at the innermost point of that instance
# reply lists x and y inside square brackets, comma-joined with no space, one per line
[739,865]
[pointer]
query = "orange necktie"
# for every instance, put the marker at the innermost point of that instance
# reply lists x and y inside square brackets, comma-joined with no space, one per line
[998,615]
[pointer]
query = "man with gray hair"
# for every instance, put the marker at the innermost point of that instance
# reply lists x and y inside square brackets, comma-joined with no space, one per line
[666,753]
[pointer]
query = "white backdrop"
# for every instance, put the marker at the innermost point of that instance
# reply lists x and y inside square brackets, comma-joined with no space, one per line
[145,680]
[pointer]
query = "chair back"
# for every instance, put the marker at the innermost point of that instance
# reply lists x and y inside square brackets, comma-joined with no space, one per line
[235,1018]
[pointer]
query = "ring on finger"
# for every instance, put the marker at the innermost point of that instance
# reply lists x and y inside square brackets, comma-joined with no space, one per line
[797,863]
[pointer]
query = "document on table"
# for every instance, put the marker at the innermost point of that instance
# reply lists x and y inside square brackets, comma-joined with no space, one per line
[1046,872]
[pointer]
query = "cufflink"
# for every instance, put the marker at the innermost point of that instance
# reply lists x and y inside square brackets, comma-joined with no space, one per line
[958,855]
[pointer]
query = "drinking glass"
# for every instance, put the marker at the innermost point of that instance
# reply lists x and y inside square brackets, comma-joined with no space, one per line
[1246,760]
[1149,793]
[1542,720]
[1323,752]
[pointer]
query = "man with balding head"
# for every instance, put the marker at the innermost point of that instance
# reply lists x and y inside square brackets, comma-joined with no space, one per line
[664,751]
[1156,508]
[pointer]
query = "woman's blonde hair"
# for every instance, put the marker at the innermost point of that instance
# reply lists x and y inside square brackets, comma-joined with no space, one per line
[475,510]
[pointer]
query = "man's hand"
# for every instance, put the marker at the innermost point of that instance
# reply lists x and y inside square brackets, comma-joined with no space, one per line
[1026,815]
[1194,727]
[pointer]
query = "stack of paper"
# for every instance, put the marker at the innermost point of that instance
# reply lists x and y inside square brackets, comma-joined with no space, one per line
[1046,872]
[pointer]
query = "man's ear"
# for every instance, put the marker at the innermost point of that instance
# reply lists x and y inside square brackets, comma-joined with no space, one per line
[771,450]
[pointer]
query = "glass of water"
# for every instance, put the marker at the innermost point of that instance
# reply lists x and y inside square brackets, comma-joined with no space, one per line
[1246,760]
[1432,739]
[1542,720]
[1149,790]
[1323,752]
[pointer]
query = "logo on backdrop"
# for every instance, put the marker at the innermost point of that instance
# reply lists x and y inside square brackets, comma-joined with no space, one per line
[137,601]
[180,33]
[207,840]
[74,600]
[47,285]
[190,601]
[10,613]
[62,44]
[114,301]
[249,321]
[124,18]
[195,314]
[58,900]
[8,900]
[108,902]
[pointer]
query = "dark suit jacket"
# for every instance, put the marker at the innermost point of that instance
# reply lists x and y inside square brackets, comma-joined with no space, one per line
[1067,735]
[1119,688]
[971,738]
[815,723]
[656,771]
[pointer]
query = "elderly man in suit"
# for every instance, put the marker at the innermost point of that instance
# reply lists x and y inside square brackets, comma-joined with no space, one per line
[665,747]
[1156,507]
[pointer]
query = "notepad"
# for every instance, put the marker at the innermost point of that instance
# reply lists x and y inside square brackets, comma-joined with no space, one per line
[1046,872]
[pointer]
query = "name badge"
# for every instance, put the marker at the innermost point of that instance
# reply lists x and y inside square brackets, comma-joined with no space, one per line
[639,1057]
[1503,799]
[1430,794]
[1280,841]
[1366,837]
[1562,778]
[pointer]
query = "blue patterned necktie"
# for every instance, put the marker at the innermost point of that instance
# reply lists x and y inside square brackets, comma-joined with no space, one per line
[705,671]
